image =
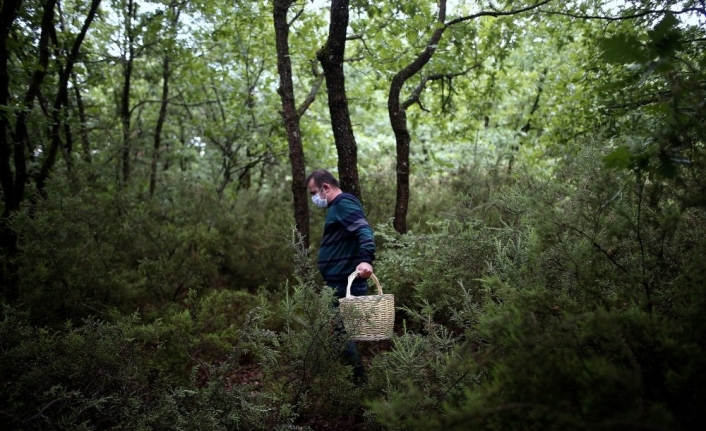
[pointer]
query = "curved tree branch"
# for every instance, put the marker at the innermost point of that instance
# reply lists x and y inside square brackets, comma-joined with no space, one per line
[396,110]
[625,17]
[416,93]
[495,13]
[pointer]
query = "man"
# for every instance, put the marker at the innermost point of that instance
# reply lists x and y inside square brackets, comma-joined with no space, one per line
[347,246]
[348,243]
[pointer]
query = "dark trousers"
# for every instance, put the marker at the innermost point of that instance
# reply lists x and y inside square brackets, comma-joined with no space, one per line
[351,352]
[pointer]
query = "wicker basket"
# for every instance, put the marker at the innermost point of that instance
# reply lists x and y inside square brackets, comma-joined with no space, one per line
[368,318]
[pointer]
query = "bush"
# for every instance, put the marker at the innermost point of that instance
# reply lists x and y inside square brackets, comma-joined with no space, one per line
[103,375]
[90,251]
[583,311]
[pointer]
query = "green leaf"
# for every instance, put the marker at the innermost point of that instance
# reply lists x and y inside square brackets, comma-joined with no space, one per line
[623,49]
[665,38]
[664,27]
[618,159]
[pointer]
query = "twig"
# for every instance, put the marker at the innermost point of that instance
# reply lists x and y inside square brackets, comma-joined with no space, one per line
[596,245]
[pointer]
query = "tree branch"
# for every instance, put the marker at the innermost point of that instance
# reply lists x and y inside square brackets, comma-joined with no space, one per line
[626,17]
[414,97]
[312,93]
[495,13]
[596,245]
[296,17]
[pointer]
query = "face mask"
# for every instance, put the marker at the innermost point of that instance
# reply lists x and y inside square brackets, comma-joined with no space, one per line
[318,201]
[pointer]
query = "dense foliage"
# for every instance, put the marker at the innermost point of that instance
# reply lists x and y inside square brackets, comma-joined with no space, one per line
[551,275]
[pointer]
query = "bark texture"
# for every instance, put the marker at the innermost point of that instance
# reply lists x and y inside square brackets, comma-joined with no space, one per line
[291,119]
[398,121]
[331,58]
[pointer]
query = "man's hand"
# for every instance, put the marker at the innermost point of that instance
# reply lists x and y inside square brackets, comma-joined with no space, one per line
[365,270]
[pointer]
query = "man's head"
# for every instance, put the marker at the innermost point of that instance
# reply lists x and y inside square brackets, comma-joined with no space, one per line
[324,184]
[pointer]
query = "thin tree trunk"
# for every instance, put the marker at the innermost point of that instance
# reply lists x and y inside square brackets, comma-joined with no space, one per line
[65,114]
[125,98]
[166,73]
[83,131]
[62,98]
[331,58]
[8,238]
[396,110]
[528,125]
[68,147]
[291,119]
[160,124]
[21,130]
[398,121]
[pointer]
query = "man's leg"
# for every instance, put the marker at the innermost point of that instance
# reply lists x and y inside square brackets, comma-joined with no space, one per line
[351,353]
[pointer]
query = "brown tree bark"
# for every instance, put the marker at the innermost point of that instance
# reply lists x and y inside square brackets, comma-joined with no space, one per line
[398,120]
[291,119]
[331,58]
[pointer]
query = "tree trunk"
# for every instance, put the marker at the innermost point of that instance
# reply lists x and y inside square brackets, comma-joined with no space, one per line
[291,119]
[398,121]
[13,189]
[125,99]
[62,98]
[166,74]
[8,14]
[21,132]
[8,238]
[160,124]
[83,131]
[396,110]
[331,58]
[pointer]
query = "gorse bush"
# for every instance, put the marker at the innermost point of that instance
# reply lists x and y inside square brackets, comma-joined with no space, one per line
[584,313]
[93,250]
[579,304]
[313,374]
[100,375]
[185,369]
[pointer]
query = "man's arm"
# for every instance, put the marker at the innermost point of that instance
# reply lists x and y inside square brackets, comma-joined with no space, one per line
[353,219]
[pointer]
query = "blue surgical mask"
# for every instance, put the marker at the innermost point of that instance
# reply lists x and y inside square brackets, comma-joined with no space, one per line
[318,201]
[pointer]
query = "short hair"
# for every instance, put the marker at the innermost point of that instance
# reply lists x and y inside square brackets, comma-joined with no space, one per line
[321,176]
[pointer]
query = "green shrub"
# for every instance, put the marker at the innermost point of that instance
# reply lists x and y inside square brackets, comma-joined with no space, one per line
[102,375]
[93,250]
[583,311]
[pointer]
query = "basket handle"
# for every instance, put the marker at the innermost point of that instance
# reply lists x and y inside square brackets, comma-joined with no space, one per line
[353,276]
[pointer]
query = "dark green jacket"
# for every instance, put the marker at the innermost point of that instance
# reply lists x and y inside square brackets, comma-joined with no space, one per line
[348,240]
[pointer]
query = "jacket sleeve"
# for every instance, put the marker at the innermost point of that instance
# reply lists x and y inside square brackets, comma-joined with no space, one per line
[353,220]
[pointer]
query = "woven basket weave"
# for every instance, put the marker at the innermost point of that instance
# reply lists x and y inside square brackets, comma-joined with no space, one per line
[368,318]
